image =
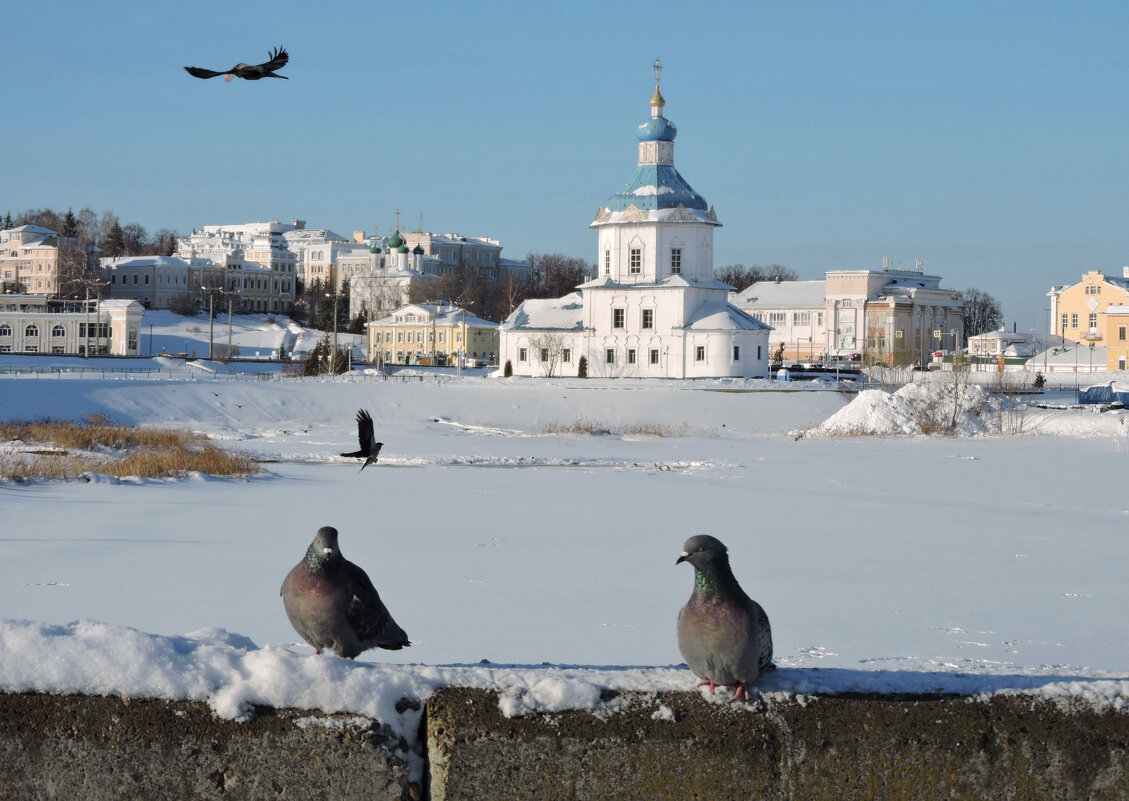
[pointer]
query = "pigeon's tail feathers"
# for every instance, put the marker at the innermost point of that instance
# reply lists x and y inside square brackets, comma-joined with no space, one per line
[357,454]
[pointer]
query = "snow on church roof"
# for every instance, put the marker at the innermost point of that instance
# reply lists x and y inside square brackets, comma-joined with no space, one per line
[728,319]
[563,314]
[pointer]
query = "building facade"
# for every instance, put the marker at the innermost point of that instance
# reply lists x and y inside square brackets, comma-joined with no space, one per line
[421,333]
[36,324]
[893,316]
[655,308]
[38,261]
[1095,311]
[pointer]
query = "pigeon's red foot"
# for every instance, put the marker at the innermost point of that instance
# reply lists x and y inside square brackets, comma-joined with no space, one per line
[709,684]
[317,650]
[741,690]
[228,77]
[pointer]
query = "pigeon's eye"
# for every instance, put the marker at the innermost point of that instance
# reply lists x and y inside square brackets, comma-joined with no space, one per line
[700,549]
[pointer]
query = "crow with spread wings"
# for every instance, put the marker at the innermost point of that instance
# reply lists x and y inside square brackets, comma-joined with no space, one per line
[250,72]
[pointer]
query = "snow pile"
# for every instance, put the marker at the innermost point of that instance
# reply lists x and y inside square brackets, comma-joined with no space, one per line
[930,408]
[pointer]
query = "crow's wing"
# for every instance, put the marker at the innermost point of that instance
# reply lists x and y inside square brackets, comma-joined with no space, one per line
[278,59]
[364,430]
[200,72]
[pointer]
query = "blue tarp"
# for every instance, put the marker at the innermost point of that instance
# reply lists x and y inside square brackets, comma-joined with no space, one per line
[1113,392]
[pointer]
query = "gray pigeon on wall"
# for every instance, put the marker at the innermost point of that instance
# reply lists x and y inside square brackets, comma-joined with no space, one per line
[332,604]
[723,634]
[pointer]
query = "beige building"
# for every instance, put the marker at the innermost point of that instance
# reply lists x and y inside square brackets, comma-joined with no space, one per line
[421,333]
[36,324]
[38,261]
[892,315]
[1095,311]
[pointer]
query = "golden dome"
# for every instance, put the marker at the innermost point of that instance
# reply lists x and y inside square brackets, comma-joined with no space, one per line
[657,99]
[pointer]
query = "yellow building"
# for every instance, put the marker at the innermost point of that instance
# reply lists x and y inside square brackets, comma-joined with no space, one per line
[1095,310]
[422,333]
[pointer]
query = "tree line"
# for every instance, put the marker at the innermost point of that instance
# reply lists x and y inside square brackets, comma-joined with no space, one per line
[104,231]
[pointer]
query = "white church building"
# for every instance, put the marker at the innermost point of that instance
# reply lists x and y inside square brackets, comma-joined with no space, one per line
[654,309]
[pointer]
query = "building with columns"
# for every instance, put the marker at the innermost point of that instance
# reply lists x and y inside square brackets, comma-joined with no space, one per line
[892,315]
[655,308]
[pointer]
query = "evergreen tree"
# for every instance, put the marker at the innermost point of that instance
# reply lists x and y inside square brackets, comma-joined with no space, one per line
[8,221]
[114,243]
[508,370]
[70,225]
[582,367]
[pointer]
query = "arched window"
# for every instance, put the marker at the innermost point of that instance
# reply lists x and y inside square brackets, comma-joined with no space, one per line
[5,330]
[32,330]
[58,331]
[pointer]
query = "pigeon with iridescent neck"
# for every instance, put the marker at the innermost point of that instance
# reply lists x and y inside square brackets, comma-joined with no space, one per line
[723,634]
[331,602]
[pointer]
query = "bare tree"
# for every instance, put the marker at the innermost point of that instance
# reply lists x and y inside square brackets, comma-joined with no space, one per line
[548,348]
[982,312]
[740,277]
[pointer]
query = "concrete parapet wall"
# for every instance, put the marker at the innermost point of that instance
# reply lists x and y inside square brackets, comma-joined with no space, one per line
[651,746]
[88,748]
[679,746]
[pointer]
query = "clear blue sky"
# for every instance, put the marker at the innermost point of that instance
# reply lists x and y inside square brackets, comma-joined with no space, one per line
[988,139]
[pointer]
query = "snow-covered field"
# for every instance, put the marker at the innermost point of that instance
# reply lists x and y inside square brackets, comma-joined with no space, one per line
[972,563]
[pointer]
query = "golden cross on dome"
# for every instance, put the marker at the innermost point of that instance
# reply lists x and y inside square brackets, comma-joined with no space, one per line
[658,68]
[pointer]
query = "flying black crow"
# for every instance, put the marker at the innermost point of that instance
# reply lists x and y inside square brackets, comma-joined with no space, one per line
[369,449]
[278,59]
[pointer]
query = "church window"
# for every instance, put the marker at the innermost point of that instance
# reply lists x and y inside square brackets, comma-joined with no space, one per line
[635,261]
[609,355]
[607,262]
[648,318]
[700,353]
[544,354]
[654,355]
[522,354]
[631,355]
[736,353]
[617,318]
[758,352]
[566,355]
[676,261]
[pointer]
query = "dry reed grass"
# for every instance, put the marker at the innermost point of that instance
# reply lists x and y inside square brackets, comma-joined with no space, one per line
[586,425]
[114,450]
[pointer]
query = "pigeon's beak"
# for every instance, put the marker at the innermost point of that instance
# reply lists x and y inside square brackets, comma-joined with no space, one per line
[327,551]
[682,558]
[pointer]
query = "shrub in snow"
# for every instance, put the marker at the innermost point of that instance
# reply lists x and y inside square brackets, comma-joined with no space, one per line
[509,369]
[582,367]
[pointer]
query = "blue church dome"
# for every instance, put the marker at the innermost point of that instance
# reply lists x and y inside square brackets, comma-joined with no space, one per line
[656,129]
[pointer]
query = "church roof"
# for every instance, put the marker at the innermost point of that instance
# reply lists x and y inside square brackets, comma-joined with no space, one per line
[728,319]
[561,314]
[656,192]
[669,282]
